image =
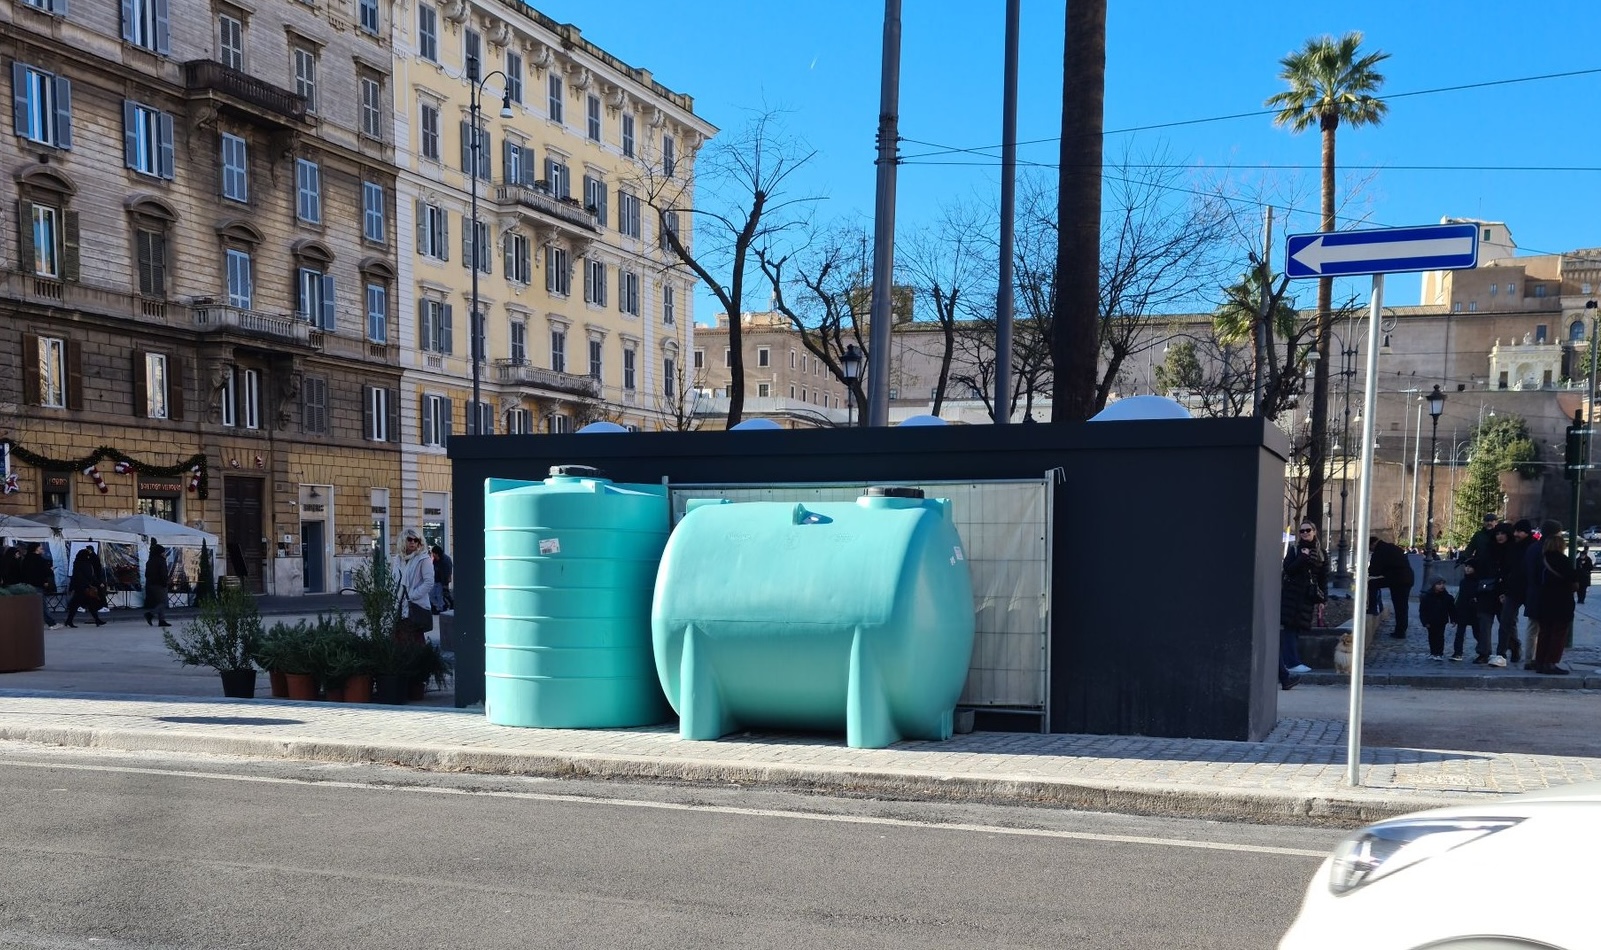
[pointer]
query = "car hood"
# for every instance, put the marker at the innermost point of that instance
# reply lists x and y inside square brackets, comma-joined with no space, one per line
[1579,793]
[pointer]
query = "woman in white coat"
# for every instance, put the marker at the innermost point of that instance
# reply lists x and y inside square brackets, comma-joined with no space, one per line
[414,575]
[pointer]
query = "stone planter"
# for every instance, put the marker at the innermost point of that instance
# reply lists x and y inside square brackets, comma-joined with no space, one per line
[21,633]
[1317,646]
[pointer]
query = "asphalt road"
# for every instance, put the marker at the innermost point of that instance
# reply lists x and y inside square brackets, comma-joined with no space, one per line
[130,852]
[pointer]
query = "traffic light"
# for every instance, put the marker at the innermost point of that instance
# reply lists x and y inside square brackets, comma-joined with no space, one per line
[1578,454]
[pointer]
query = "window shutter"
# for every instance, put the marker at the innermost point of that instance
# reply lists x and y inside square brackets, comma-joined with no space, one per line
[466,146]
[19,97]
[163,31]
[447,330]
[420,212]
[506,257]
[600,201]
[25,259]
[130,134]
[507,167]
[128,19]
[74,375]
[550,271]
[30,369]
[444,234]
[69,244]
[175,388]
[486,151]
[427,421]
[392,406]
[63,112]
[368,429]
[446,415]
[425,340]
[466,241]
[328,302]
[164,164]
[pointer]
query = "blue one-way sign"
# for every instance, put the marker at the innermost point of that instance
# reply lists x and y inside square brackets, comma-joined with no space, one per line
[1383,251]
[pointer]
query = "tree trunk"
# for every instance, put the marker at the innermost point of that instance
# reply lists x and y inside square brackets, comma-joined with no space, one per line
[1075,339]
[1317,452]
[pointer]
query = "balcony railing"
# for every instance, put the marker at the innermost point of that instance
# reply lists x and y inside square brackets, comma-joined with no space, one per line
[514,373]
[206,75]
[210,317]
[541,200]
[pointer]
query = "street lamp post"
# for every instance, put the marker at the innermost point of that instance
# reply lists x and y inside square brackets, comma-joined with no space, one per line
[474,323]
[851,363]
[1436,406]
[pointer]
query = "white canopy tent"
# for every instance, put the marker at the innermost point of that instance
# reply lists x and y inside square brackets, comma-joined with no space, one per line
[13,528]
[183,545]
[71,531]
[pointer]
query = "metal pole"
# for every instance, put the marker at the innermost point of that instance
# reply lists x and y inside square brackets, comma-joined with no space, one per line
[1360,622]
[1577,477]
[1417,454]
[473,414]
[884,218]
[1003,302]
[1347,369]
[1434,456]
[1264,292]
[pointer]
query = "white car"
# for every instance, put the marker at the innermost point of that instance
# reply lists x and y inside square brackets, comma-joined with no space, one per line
[1516,873]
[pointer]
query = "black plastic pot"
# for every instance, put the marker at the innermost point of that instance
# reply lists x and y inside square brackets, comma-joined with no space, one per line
[391,690]
[239,684]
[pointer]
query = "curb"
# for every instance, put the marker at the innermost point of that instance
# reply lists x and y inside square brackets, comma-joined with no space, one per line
[1519,680]
[1334,809]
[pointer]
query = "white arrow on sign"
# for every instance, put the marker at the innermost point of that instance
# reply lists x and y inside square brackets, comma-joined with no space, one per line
[1315,255]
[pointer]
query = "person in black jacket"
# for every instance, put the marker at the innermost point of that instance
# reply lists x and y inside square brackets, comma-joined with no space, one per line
[156,580]
[1303,585]
[1388,566]
[1477,600]
[1586,567]
[1482,539]
[10,565]
[38,574]
[87,586]
[1435,609]
[1515,590]
[443,569]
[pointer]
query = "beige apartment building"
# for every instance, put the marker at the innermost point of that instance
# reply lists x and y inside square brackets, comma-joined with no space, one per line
[581,315]
[199,281]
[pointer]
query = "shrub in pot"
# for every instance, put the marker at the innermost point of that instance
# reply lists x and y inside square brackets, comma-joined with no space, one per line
[279,650]
[225,636]
[336,653]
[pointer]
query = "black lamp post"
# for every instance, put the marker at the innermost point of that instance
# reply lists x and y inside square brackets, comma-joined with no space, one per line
[1436,406]
[851,363]
[475,323]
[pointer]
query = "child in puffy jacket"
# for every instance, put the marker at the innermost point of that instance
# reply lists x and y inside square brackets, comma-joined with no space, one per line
[1436,608]
[1478,602]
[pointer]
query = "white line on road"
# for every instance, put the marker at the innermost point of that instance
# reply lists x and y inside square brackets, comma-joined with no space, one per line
[713,809]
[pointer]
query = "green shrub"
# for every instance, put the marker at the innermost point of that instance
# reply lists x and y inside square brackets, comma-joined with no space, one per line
[225,636]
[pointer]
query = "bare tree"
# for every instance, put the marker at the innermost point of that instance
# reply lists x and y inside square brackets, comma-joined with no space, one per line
[676,402]
[823,290]
[711,218]
[1076,262]
[949,266]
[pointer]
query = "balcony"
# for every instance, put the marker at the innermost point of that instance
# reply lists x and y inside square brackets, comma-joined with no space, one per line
[535,198]
[244,94]
[209,318]
[513,373]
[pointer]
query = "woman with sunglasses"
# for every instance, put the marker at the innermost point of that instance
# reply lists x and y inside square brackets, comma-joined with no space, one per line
[1304,585]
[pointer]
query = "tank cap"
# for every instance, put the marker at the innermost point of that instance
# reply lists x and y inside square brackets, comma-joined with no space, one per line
[576,471]
[892,491]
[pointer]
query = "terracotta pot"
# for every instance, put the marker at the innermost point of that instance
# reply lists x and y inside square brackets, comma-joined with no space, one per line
[21,633]
[333,692]
[391,689]
[418,689]
[278,683]
[358,689]
[301,685]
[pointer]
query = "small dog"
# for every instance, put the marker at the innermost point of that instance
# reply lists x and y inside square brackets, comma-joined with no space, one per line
[1342,655]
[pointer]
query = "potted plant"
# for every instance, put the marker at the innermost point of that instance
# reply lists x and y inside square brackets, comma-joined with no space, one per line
[375,584]
[225,636]
[21,628]
[429,664]
[336,656]
[276,652]
[394,664]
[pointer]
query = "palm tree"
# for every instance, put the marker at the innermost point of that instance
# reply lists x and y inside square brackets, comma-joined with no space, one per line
[1330,83]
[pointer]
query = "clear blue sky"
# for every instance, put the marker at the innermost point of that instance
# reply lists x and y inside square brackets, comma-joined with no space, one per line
[1168,61]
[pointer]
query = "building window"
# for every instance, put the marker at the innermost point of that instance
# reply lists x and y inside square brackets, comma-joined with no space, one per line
[230,41]
[699,360]
[519,258]
[558,350]
[1494,288]
[596,352]
[306,76]
[519,343]
[594,281]
[372,107]
[628,135]
[1473,305]
[628,369]
[670,376]
[150,247]
[628,292]
[435,332]
[483,153]
[514,77]
[250,400]
[1511,289]
[155,386]
[377,313]
[308,191]
[43,106]
[728,357]
[1576,331]
[428,32]
[228,397]
[368,15]
[472,46]
[1539,290]
[315,298]
[669,156]
[791,359]
[764,356]
[628,214]
[314,404]
[377,413]
[553,98]
[435,420]
[428,132]
[669,222]
[433,232]
[240,285]
[595,198]
[516,161]
[557,423]
[235,168]
[144,23]
[669,306]
[480,348]
[1539,333]
[594,118]
[558,179]
[1486,237]
[475,248]
[146,140]
[558,275]
[46,241]
[372,211]
[519,422]
[764,390]
[52,372]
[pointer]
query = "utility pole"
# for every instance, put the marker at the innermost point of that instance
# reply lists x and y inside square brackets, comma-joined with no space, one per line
[884,219]
[1003,302]
[1264,306]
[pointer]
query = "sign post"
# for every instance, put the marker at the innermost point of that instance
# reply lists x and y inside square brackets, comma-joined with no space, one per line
[1375,253]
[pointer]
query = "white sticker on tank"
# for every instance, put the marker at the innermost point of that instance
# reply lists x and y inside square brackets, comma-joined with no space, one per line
[958,550]
[549,546]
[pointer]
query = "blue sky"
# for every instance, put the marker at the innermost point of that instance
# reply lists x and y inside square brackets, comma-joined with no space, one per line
[1168,61]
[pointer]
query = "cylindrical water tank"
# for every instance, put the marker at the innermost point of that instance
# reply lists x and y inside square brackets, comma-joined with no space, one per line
[816,616]
[569,566]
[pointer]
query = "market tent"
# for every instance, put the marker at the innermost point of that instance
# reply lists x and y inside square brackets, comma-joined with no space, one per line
[70,530]
[75,526]
[13,528]
[166,533]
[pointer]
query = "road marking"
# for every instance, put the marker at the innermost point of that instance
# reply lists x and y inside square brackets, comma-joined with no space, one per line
[713,809]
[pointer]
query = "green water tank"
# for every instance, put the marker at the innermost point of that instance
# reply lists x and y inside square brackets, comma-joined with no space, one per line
[569,567]
[828,616]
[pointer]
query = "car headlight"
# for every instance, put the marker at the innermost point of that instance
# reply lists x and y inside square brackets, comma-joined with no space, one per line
[1387,848]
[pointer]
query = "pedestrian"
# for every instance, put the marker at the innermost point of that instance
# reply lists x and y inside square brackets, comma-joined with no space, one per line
[1303,586]
[1514,592]
[1482,539]
[1435,609]
[443,569]
[10,565]
[1389,567]
[1553,607]
[414,576]
[38,574]
[87,587]
[1586,566]
[156,581]
[1478,599]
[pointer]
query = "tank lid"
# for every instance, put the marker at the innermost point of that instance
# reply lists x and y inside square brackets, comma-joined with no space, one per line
[576,471]
[892,491]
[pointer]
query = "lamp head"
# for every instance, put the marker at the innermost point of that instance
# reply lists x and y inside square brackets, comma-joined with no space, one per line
[1436,402]
[505,106]
[851,362]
